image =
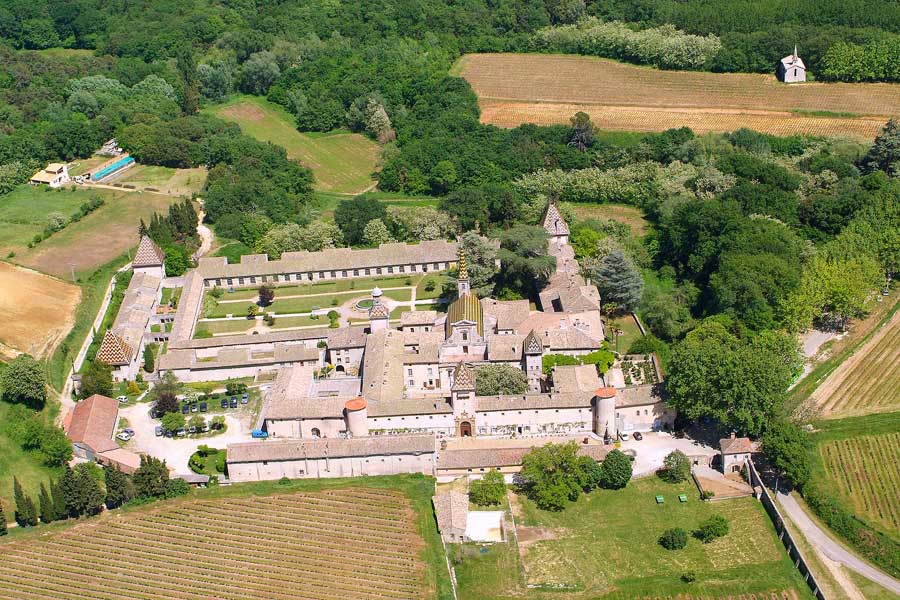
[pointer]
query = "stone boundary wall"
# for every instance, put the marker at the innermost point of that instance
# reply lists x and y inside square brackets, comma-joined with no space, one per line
[784,535]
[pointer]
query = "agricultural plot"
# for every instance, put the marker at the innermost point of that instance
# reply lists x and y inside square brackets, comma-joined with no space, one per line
[24,212]
[352,543]
[174,182]
[628,215]
[98,238]
[545,89]
[341,162]
[38,310]
[865,470]
[868,381]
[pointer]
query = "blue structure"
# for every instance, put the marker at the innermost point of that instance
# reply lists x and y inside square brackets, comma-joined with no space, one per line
[108,170]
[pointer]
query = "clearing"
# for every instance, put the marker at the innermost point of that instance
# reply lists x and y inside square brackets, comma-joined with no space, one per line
[866,382]
[858,460]
[166,180]
[628,215]
[606,543]
[342,162]
[38,310]
[323,541]
[98,238]
[546,88]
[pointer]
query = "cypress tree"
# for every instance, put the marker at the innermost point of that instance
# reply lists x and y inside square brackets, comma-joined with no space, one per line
[48,513]
[119,488]
[2,521]
[59,500]
[69,490]
[26,515]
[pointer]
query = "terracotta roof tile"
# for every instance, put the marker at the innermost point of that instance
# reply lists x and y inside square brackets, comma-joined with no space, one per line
[114,350]
[93,423]
[148,254]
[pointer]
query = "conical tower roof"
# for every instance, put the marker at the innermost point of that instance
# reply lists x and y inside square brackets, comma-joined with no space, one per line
[463,378]
[553,222]
[533,344]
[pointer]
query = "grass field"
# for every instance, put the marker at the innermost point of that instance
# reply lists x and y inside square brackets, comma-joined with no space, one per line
[868,380]
[23,212]
[857,457]
[307,540]
[326,202]
[93,241]
[628,215]
[605,546]
[630,332]
[174,182]
[342,162]
[544,89]
[38,310]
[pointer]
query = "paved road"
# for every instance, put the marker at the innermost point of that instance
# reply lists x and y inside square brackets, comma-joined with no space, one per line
[832,549]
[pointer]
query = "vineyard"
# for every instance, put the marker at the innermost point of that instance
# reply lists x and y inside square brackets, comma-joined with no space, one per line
[545,89]
[348,543]
[865,470]
[868,381]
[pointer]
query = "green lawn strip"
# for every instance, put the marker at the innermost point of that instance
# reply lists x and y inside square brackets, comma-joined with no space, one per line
[395,314]
[342,162]
[438,280]
[287,322]
[808,384]
[224,326]
[93,287]
[399,295]
[869,589]
[27,466]
[630,332]
[112,310]
[608,541]
[323,287]
[418,488]
[233,251]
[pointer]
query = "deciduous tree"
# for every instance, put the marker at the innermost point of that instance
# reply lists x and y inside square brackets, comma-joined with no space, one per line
[96,379]
[677,467]
[787,447]
[615,470]
[550,475]
[151,478]
[491,380]
[23,381]
[489,490]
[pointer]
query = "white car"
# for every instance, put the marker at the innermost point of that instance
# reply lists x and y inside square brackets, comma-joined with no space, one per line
[624,436]
[122,398]
[124,436]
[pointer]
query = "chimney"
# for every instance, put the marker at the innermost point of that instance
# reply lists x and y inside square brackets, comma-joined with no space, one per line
[732,435]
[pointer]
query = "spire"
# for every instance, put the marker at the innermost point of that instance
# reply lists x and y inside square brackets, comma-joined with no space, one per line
[463,265]
[795,52]
[463,378]
[462,277]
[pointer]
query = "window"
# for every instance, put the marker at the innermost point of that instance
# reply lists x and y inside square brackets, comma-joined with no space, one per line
[409,372]
[368,271]
[333,274]
[412,383]
[356,272]
[402,269]
[315,432]
[240,281]
[343,273]
[390,269]
[252,279]
[465,335]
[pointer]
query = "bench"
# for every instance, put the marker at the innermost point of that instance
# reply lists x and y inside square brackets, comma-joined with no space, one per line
[660,500]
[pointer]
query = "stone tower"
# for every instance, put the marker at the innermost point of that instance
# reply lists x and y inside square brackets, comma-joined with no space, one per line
[605,414]
[462,397]
[379,313]
[533,350]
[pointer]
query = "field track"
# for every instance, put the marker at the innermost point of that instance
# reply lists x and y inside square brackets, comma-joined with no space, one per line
[544,89]
[865,470]
[38,310]
[342,544]
[868,381]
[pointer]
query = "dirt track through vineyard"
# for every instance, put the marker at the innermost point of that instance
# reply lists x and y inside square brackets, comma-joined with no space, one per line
[544,89]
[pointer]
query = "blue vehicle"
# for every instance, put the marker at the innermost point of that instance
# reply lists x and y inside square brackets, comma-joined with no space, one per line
[259,434]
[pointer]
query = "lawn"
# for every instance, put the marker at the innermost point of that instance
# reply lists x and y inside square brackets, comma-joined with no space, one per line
[223,326]
[23,212]
[175,182]
[326,202]
[630,333]
[342,162]
[606,543]
[629,215]
[439,281]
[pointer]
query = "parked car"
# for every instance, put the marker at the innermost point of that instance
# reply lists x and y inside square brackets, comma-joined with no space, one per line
[124,436]
[245,400]
[192,430]
[205,428]
[234,403]
[624,436]
[638,435]
[122,398]
[246,396]
[259,434]
[203,407]
[224,403]
[129,431]
[158,431]
[180,432]
[185,409]
[168,433]
[194,407]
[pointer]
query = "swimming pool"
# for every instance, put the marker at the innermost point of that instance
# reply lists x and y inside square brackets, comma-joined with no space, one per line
[110,169]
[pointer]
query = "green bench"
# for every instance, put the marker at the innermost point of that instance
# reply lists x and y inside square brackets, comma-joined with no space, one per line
[660,500]
[682,498]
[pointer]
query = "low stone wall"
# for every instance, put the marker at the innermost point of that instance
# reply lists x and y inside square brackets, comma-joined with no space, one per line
[783,534]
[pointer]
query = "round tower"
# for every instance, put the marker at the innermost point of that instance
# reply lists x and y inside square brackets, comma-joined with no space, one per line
[605,413]
[379,313]
[357,417]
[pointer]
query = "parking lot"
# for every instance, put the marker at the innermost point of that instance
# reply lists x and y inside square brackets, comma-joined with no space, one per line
[651,451]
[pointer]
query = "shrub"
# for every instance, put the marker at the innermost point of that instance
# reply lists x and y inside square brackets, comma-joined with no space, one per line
[689,577]
[673,539]
[488,490]
[677,467]
[615,470]
[712,528]
[284,481]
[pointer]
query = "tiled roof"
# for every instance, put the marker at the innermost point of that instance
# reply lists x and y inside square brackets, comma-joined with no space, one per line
[507,314]
[463,377]
[736,445]
[534,401]
[640,395]
[148,254]
[383,365]
[330,447]
[451,508]
[507,347]
[466,308]
[379,311]
[576,378]
[501,457]
[418,317]
[334,259]
[113,350]
[235,357]
[553,222]
[93,423]
[346,337]
[533,344]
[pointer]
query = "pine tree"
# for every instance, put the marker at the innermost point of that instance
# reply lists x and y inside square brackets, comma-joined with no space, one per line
[119,488]
[26,515]
[48,514]
[59,500]
[618,280]
[2,521]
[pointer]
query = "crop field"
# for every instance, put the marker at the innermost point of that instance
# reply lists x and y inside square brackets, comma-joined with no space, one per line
[545,89]
[38,310]
[868,381]
[98,238]
[351,543]
[605,546]
[341,162]
[865,470]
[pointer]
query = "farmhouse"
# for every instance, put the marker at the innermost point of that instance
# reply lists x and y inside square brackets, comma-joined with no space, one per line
[735,453]
[421,380]
[54,175]
[791,69]
[90,427]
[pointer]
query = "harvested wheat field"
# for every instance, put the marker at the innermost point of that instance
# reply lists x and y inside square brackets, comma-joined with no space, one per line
[868,381]
[544,89]
[351,543]
[38,310]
